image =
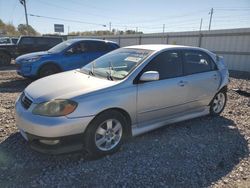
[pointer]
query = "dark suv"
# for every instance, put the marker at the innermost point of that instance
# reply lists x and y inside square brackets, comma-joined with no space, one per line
[26,44]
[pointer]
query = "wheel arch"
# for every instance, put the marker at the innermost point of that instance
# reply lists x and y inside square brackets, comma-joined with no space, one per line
[6,52]
[124,113]
[49,63]
[223,89]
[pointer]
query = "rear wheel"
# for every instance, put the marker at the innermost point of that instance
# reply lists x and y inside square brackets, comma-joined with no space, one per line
[218,103]
[105,134]
[48,69]
[5,59]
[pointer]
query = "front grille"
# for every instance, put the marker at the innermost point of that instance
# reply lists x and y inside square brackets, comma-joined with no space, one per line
[25,101]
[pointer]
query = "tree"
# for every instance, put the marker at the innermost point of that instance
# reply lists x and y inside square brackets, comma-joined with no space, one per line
[26,30]
[8,29]
[103,32]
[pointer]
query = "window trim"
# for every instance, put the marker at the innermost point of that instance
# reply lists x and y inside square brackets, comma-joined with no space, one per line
[197,51]
[137,78]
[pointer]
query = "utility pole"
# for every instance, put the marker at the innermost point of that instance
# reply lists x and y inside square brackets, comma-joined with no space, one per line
[163,28]
[211,16]
[136,30]
[201,24]
[110,26]
[23,2]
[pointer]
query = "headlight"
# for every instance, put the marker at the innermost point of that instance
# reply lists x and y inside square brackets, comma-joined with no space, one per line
[59,107]
[32,59]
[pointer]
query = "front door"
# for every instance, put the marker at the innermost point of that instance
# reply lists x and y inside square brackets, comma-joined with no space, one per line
[75,57]
[165,97]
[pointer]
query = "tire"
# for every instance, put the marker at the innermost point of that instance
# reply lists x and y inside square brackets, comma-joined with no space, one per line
[218,103]
[105,134]
[48,69]
[5,59]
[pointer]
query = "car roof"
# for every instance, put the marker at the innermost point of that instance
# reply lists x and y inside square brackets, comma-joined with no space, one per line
[42,36]
[159,47]
[89,39]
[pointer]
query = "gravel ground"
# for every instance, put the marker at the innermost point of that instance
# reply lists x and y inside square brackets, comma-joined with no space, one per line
[202,152]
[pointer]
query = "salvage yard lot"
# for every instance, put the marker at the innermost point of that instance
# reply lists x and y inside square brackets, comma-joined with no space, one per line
[201,152]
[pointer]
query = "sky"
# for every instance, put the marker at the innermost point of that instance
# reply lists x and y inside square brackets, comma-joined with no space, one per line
[147,16]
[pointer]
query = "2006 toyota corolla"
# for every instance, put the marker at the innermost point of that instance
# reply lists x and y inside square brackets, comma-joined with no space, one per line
[129,91]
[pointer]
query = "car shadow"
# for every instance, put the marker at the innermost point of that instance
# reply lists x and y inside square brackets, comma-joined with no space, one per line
[13,86]
[193,153]
[239,75]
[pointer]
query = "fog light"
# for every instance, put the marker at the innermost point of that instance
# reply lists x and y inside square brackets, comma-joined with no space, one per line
[50,142]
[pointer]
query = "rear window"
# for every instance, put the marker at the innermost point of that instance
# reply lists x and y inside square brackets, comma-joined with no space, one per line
[112,46]
[96,46]
[196,62]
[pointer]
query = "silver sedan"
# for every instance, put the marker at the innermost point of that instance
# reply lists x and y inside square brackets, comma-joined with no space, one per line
[124,93]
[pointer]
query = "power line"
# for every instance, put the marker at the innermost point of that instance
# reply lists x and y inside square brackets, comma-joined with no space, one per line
[67,20]
[13,10]
[69,9]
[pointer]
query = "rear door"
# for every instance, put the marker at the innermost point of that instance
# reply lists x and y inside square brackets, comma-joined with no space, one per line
[201,76]
[165,97]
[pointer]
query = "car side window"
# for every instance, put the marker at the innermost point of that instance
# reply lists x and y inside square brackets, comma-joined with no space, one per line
[78,48]
[96,46]
[168,64]
[42,41]
[54,41]
[27,41]
[195,61]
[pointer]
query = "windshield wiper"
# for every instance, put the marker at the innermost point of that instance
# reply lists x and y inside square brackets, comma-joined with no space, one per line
[109,74]
[91,72]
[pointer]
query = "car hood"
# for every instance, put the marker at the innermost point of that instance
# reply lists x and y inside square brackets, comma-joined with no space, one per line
[65,85]
[31,55]
[7,45]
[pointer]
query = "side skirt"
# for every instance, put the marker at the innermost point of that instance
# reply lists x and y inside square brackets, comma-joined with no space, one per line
[143,128]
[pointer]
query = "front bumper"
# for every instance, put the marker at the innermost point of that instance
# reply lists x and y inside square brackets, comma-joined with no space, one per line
[67,144]
[35,128]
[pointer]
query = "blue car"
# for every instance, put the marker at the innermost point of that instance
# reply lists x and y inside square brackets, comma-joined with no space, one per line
[68,55]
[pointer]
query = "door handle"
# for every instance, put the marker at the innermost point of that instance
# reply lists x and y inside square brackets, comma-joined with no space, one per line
[182,83]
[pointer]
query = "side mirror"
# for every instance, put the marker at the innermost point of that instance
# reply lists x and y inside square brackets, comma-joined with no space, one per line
[149,76]
[68,53]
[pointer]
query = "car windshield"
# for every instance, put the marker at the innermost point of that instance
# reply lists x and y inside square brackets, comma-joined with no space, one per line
[60,47]
[116,64]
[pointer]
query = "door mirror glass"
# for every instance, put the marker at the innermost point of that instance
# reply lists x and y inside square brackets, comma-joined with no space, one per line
[69,52]
[149,76]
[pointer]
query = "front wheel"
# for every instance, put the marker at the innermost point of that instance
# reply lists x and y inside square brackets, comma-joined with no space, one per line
[48,70]
[218,103]
[105,133]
